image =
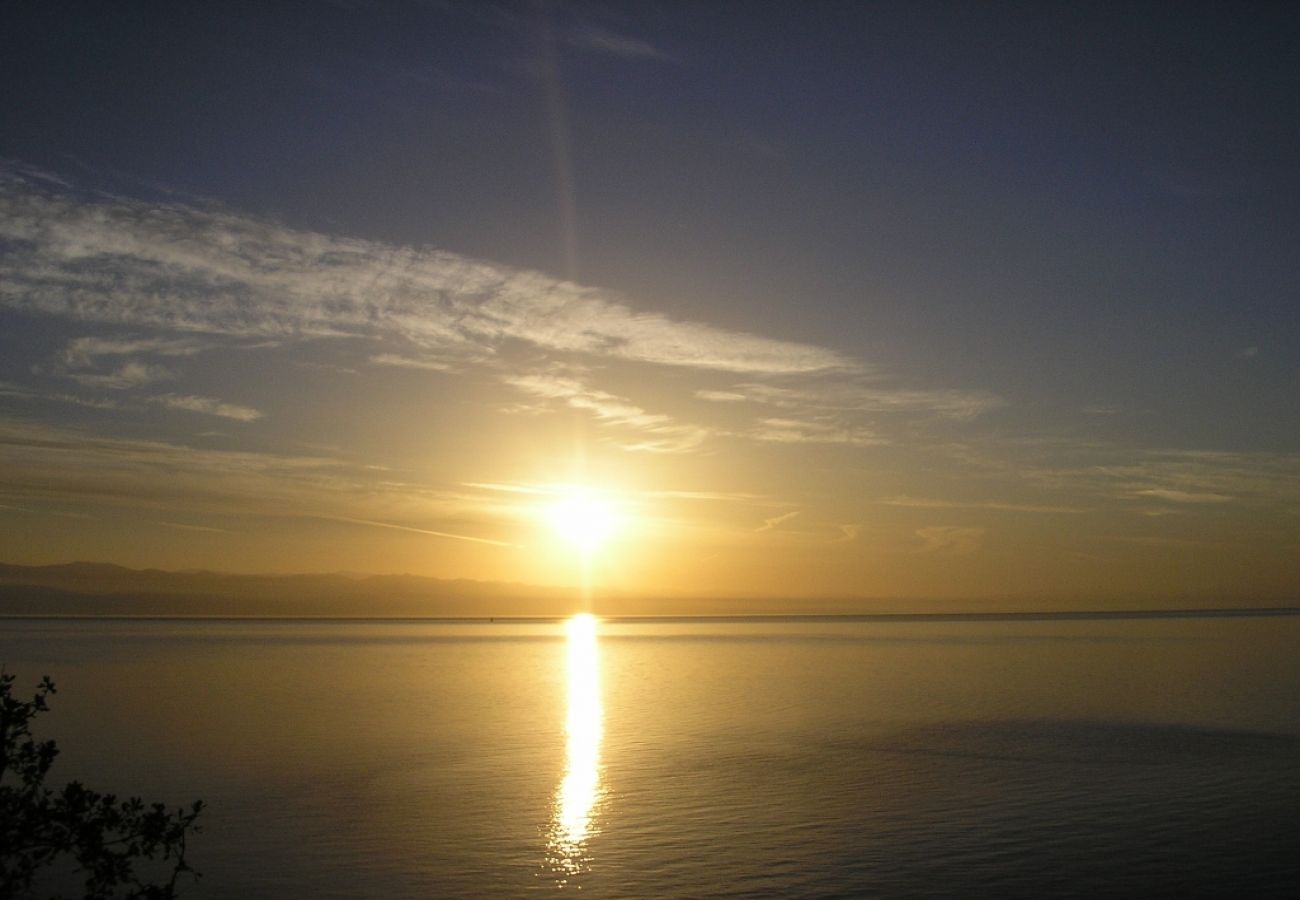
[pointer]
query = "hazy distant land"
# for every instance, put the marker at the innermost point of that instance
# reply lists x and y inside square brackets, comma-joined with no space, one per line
[94,589]
[102,589]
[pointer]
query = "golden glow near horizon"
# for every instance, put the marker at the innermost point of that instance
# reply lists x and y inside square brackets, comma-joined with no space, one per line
[577,799]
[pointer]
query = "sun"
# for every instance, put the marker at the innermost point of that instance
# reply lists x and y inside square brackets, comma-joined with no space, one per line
[583,517]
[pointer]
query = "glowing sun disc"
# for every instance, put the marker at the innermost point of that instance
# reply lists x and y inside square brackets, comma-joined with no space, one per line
[583,519]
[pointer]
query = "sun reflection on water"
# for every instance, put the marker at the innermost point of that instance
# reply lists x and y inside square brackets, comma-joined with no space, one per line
[577,799]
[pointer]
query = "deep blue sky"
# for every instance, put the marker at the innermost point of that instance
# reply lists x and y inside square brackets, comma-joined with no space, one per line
[1087,211]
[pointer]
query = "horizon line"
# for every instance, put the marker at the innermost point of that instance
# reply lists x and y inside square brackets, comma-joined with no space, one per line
[1021,615]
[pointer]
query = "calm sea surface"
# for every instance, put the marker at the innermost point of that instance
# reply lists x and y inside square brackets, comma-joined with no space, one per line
[688,759]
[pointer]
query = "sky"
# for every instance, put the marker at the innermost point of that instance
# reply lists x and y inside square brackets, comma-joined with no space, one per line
[819,299]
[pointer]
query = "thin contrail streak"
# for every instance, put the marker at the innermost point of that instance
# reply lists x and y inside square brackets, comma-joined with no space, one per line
[457,537]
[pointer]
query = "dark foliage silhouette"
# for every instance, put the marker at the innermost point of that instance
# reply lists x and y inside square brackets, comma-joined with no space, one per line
[117,848]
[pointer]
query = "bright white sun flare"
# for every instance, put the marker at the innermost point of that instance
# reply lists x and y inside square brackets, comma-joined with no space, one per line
[583,518]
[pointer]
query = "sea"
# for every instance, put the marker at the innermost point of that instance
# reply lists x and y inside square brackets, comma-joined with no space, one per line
[1025,756]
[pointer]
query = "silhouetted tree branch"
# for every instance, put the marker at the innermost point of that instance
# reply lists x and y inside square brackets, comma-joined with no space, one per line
[99,837]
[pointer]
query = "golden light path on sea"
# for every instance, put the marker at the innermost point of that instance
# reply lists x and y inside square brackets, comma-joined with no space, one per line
[577,798]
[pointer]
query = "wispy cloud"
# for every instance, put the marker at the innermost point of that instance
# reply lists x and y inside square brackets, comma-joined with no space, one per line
[531,489]
[129,375]
[720,496]
[48,463]
[182,526]
[1101,472]
[1194,477]
[598,39]
[930,503]
[1151,540]
[393,360]
[797,431]
[208,406]
[769,524]
[720,396]
[106,363]
[848,532]
[667,435]
[858,394]
[20,392]
[951,539]
[86,352]
[1174,496]
[43,465]
[186,271]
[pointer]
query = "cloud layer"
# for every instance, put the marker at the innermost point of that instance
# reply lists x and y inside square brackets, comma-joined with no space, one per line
[181,269]
[158,284]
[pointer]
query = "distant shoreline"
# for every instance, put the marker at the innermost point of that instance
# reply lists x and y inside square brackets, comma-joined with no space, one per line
[83,590]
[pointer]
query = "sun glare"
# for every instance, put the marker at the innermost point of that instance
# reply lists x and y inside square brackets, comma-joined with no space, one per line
[583,517]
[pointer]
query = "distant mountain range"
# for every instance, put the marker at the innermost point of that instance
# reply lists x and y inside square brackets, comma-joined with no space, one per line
[88,589]
[102,589]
